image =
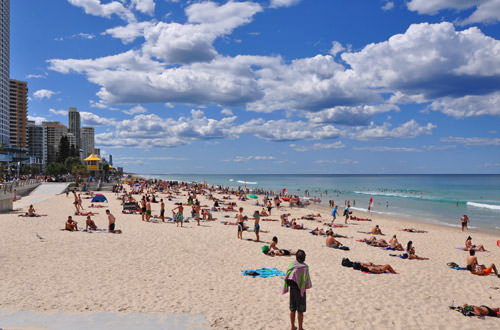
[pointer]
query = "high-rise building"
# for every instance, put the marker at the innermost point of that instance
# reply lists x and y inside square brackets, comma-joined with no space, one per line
[71,139]
[18,91]
[97,151]
[4,71]
[37,143]
[74,126]
[55,131]
[87,141]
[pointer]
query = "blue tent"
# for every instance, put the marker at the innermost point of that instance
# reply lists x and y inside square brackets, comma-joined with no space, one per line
[99,198]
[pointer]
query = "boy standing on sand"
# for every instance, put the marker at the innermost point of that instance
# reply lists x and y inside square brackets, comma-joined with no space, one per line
[256,225]
[298,280]
[179,216]
[112,220]
[241,226]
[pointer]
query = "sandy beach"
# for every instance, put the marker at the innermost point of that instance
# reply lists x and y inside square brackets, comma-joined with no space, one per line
[158,267]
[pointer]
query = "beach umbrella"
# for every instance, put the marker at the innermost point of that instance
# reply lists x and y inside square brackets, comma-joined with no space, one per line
[253,196]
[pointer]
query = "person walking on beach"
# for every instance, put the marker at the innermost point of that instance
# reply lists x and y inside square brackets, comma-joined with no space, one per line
[346,213]
[465,220]
[179,216]
[334,213]
[297,280]
[148,209]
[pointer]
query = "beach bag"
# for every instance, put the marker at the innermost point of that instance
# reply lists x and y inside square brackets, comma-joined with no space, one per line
[265,249]
[346,262]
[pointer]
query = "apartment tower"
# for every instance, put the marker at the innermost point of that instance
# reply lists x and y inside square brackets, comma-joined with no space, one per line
[18,112]
[4,71]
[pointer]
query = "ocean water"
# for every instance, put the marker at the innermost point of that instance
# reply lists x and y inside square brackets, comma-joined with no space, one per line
[441,199]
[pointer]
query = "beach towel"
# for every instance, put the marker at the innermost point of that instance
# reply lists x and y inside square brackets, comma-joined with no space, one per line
[263,272]
[95,231]
[299,273]
[345,248]
[399,255]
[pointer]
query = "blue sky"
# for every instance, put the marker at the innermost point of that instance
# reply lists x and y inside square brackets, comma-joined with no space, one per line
[275,86]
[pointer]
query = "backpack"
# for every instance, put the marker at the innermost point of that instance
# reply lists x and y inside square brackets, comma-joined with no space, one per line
[346,262]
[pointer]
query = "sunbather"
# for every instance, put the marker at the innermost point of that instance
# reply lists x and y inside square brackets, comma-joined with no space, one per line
[410,252]
[475,268]
[395,245]
[275,251]
[331,241]
[482,310]
[378,269]
[90,224]
[71,225]
[376,230]
[469,246]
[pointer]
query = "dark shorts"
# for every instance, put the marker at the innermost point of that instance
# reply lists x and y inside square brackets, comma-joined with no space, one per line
[257,228]
[162,213]
[240,226]
[76,203]
[297,302]
[112,227]
[143,210]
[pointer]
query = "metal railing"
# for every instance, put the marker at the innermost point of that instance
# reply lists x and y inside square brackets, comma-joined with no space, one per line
[9,187]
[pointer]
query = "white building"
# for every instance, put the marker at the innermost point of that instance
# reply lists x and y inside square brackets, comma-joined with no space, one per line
[88,144]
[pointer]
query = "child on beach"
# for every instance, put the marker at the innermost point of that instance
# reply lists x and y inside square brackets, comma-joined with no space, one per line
[256,224]
[241,225]
[179,217]
[298,280]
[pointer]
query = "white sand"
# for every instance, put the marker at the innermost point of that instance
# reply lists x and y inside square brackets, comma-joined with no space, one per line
[159,268]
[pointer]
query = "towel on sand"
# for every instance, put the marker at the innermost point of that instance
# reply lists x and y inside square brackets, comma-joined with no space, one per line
[263,272]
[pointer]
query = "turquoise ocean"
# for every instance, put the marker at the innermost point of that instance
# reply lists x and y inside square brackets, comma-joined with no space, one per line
[440,199]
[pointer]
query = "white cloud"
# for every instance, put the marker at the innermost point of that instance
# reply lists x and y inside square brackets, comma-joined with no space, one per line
[318,146]
[129,32]
[144,6]
[135,110]
[469,105]
[339,162]
[433,60]
[484,11]
[388,149]
[410,129]
[226,112]
[44,94]
[283,3]
[388,6]
[473,141]
[353,116]
[239,159]
[284,130]
[96,8]
[336,48]
[91,119]
[58,112]
[36,76]
[38,120]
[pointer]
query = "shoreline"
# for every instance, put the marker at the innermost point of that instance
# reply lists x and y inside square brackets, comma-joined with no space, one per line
[399,217]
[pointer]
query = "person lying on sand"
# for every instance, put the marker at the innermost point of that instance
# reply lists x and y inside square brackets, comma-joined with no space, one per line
[90,224]
[395,245]
[71,225]
[84,214]
[469,246]
[410,252]
[377,269]
[376,230]
[413,230]
[475,268]
[275,251]
[482,310]
[96,206]
[331,241]
[374,242]
[294,225]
